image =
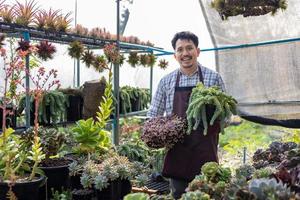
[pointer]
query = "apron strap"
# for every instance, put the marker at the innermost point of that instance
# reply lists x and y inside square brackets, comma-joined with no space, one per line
[199,74]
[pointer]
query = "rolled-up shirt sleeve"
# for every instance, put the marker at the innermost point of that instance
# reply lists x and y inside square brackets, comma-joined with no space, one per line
[158,103]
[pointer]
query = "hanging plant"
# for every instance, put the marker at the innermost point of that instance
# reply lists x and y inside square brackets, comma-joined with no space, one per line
[75,49]
[133,59]
[88,57]
[100,63]
[63,22]
[45,50]
[227,8]
[151,60]
[144,59]
[112,54]
[25,12]
[24,48]
[163,64]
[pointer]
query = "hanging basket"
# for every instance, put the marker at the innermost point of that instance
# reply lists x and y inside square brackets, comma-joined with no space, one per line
[227,8]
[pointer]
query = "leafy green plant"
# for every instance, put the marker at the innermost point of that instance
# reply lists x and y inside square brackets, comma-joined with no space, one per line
[134,151]
[247,135]
[52,104]
[64,195]
[201,96]
[106,105]
[90,137]
[137,196]
[13,156]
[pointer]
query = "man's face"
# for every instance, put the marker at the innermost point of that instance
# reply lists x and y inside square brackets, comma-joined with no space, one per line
[186,53]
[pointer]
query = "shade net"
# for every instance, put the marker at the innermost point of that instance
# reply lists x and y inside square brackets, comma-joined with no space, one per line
[264,79]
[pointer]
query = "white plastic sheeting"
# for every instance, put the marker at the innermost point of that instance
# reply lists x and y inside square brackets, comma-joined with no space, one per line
[264,79]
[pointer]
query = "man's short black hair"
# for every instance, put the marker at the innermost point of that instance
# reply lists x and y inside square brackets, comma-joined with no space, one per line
[185,35]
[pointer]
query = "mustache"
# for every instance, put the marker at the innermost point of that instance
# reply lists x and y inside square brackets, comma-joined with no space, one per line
[190,57]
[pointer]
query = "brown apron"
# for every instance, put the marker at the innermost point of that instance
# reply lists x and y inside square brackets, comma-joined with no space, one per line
[184,160]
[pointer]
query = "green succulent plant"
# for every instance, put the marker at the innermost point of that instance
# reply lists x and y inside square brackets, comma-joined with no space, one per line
[101,182]
[90,137]
[245,171]
[263,172]
[196,195]
[270,189]
[137,196]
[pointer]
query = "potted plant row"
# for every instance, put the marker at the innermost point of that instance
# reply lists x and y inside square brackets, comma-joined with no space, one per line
[133,99]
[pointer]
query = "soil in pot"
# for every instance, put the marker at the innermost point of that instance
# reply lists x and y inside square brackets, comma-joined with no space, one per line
[25,190]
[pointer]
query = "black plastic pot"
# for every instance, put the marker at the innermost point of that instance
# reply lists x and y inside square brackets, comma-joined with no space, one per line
[115,191]
[125,188]
[57,178]
[75,182]
[74,111]
[135,104]
[24,191]
[82,194]
[11,118]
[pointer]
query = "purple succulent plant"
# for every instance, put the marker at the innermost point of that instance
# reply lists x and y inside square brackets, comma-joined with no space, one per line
[162,131]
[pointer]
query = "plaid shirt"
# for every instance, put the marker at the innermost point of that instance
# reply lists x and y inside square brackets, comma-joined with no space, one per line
[162,101]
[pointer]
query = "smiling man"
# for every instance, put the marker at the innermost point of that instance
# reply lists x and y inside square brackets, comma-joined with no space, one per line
[184,161]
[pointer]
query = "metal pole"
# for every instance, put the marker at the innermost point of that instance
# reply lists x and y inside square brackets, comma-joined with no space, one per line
[212,36]
[151,81]
[116,84]
[78,72]
[27,84]
[244,155]
[74,68]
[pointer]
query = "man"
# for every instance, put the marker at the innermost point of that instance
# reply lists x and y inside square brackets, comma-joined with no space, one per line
[183,162]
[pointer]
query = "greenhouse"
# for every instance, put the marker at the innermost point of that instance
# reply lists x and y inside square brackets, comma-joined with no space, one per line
[150,100]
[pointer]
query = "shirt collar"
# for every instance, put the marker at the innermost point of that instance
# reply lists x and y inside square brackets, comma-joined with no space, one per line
[195,72]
